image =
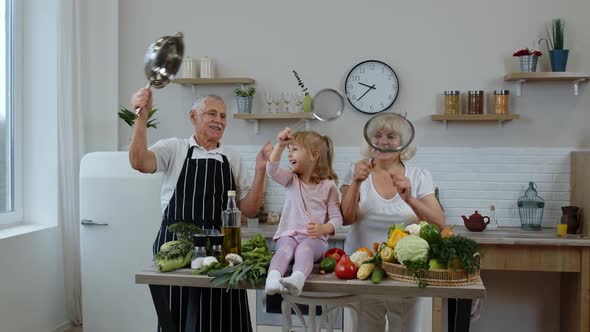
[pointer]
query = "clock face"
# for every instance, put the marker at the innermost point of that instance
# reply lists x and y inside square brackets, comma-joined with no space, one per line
[371,86]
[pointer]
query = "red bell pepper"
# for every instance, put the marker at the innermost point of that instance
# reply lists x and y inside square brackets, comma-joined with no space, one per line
[345,269]
[335,253]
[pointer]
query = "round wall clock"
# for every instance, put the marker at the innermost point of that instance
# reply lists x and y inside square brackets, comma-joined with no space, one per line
[371,86]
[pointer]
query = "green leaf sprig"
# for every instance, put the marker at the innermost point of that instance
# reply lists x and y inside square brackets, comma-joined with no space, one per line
[184,231]
[129,117]
[300,83]
[251,91]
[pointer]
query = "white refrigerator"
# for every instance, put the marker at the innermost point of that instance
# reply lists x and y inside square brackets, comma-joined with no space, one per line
[120,215]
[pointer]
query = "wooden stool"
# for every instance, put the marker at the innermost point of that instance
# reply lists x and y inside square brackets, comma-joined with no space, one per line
[329,305]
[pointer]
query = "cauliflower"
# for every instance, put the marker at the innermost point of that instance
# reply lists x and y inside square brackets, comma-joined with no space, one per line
[413,229]
[411,248]
[358,257]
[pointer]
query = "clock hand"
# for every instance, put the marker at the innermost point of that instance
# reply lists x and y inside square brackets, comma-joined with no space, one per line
[369,89]
[368,86]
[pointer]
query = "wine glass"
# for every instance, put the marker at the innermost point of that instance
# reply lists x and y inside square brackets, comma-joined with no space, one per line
[298,100]
[277,101]
[286,97]
[268,101]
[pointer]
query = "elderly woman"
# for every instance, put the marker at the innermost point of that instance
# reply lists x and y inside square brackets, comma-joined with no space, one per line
[198,173]
[378,191]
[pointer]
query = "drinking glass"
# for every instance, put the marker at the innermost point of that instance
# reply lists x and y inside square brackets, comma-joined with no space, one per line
[286,100]
[268,100]
[298,101]
[277,101]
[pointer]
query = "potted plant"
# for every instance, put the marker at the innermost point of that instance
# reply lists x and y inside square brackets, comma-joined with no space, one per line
[244,99]
[528,59]
[555,42]
[129,117]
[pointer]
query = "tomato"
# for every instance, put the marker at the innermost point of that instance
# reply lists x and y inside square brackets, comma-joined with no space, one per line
[335,253]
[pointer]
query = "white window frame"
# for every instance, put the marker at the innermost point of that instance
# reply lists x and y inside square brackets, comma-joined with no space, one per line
[15,74]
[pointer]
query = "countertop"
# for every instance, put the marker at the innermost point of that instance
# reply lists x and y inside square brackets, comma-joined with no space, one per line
[326,283]
[501,236]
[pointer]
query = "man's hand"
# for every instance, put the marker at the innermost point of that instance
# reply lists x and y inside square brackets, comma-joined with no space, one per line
[362,169]
[142,99]
[403,186]
[262,156]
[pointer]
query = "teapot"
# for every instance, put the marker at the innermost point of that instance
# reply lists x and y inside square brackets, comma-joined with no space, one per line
[476,222]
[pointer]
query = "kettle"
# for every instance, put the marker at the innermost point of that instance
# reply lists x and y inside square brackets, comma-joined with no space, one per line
[476,222]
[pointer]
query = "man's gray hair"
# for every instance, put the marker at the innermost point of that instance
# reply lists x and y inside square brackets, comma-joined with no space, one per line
[199,104]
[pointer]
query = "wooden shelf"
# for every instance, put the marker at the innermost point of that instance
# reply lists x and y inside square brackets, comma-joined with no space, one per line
[574,77]
[255,117]
[475,117]
[204,81]
[273,116]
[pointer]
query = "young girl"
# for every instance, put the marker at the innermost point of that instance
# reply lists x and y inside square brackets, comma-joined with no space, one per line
[311,211]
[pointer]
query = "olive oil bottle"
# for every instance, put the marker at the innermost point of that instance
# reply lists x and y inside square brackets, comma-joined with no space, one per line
[231,221]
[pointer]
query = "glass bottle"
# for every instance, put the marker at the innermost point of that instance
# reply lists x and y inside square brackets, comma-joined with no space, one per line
[200,250]
[493,220]
[231,221]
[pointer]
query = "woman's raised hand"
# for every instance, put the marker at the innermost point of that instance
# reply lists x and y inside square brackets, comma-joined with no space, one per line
[362,169]
[284,136]
[403,186]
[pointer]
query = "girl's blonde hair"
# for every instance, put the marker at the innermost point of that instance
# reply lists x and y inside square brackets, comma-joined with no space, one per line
[323,148]
[391,123]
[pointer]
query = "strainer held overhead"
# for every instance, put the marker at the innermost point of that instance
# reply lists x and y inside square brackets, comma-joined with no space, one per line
[162,60]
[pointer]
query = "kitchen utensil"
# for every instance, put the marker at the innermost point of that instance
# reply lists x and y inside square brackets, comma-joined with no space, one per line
[476,222]
[162,61]
[389,132]
[327,105]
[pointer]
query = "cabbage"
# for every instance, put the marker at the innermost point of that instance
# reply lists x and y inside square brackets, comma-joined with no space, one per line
[411,248]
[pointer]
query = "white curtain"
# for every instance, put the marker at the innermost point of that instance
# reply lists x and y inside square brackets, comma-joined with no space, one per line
[70,142]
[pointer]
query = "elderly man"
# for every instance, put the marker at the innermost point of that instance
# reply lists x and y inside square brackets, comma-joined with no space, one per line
[198,173]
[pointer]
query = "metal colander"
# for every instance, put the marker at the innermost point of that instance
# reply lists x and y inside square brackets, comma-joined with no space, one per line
[530,209]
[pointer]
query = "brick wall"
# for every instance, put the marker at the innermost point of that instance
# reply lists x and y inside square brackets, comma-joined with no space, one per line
[471,179]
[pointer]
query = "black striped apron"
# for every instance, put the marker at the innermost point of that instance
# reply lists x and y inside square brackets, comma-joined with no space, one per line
[199,197]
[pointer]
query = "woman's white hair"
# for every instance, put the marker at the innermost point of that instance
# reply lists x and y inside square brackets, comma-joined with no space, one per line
[199,104]
[388,122]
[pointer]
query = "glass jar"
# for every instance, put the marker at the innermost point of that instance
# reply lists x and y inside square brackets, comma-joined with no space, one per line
[475,102]
[452,102]
[501,101]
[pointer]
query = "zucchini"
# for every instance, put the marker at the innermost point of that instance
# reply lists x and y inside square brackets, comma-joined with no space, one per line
[377,275]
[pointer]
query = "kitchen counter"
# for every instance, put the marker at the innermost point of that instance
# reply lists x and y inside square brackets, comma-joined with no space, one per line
[514,249]
[324,283]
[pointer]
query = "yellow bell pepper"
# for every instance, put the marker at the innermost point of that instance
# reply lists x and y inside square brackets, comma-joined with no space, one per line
[394,237]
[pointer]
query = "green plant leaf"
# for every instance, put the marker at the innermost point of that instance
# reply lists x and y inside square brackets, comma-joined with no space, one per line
[129,117]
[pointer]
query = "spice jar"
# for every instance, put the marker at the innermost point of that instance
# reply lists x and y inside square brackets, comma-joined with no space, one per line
[475,102]
[501,101]
[452,103]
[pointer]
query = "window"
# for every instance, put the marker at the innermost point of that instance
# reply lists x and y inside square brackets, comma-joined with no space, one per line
[10,210]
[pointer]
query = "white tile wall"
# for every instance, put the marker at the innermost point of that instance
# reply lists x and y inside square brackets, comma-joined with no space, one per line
[471,179]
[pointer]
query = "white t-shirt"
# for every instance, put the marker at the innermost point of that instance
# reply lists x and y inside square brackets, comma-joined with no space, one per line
[170,154]
[376,213]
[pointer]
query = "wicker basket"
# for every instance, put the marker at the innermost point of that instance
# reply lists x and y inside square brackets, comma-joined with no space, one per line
[434,277]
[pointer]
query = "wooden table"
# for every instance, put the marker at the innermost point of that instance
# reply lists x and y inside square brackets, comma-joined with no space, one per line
[319,283]
[513,249]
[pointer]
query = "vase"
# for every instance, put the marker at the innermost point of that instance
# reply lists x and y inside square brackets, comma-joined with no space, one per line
[528,63]
[571,217]
[245,104]
[558,58]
